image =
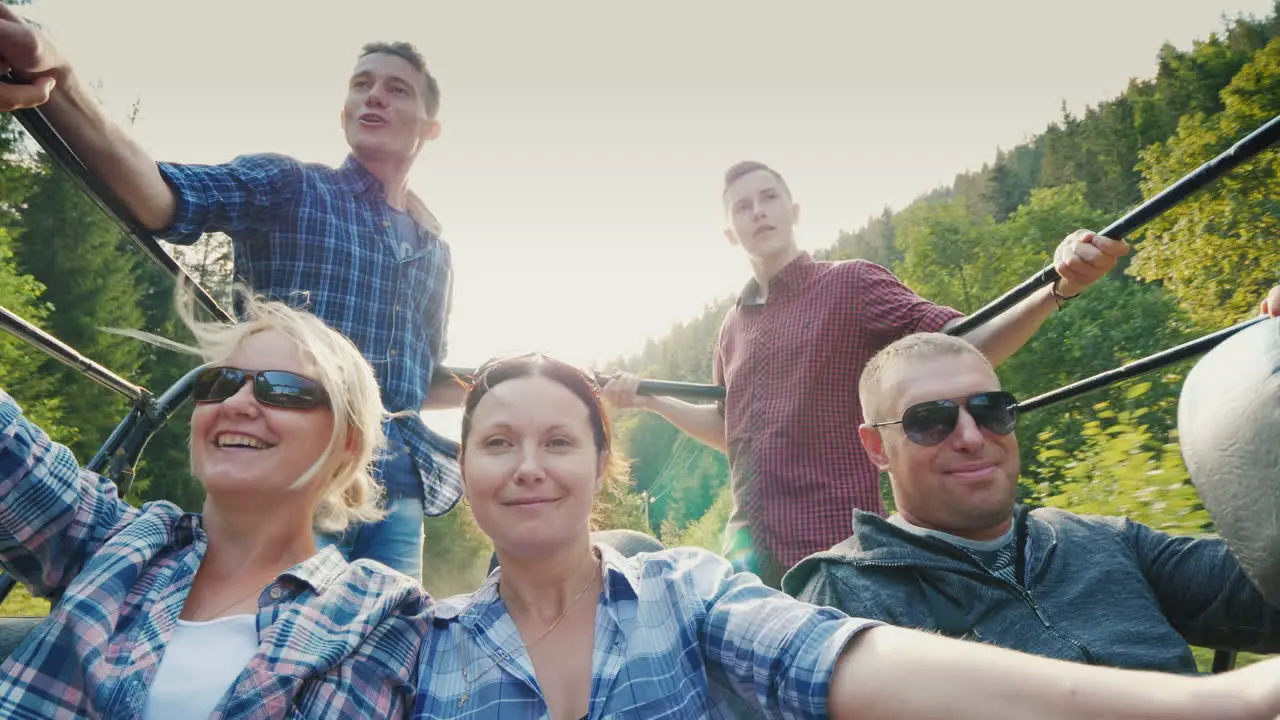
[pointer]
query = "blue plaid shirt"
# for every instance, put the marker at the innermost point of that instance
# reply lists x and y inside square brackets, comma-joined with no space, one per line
[677,633]
[338,640]
[323,238]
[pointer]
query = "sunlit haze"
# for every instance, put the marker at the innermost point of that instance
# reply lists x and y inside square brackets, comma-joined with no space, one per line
[578,174]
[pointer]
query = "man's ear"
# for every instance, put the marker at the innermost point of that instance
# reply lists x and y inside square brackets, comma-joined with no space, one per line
[432,130]
[795,213]
[730,236]
[874,445]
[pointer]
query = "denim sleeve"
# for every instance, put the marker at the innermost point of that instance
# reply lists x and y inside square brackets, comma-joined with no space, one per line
[1203,591]
[822,589]
[228,198]
[53,515]
[774,651]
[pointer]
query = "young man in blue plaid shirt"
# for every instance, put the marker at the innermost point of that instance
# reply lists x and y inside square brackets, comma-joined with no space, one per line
[352,245]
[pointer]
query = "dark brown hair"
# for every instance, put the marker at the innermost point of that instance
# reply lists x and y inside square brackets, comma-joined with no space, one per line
[746,167]
[410,54]
[578,382]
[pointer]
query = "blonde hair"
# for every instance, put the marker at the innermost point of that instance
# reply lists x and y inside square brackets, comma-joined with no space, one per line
[878,376]
[350,495]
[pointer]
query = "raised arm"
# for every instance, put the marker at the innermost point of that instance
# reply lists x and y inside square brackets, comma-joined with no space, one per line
[178,202]
[1080,259]
[104,146]
[704,423]
[53,515]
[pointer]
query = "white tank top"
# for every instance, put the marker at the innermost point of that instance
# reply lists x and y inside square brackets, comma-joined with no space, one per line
[200,663]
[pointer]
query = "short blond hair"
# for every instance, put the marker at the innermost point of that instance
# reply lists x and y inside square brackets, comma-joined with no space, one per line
[876,384]
[350,495]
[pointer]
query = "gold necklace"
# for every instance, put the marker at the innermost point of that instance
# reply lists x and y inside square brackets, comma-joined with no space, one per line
[462,644]
[255,594]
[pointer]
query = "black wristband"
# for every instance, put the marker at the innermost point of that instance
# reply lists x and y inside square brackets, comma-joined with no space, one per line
[1058,297]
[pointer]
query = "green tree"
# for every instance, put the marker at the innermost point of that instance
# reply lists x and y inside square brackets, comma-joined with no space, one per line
[164,470]
[1125,468]
[25,372]
[457,552]
[948,254]
[706,532]
[1013,176]
[72,248]
[874,242]
[1217,252]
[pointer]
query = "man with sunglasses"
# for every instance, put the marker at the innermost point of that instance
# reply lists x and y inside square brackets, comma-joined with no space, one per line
[351,244]
[963,559]
[789,354]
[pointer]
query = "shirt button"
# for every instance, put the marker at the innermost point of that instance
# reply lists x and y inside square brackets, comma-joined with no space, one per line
[394,352]
[386,223]
[397,308]
[276,593]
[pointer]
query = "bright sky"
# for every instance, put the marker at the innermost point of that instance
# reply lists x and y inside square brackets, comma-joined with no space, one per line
[578,175]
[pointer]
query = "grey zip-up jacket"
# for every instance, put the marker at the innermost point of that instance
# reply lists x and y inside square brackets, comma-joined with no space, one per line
[1092,589]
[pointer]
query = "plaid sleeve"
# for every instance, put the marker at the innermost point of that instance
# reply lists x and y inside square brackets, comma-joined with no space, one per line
[891,309]
[717,363]
[442,347]
[230,197]
[775,651]
[53,515]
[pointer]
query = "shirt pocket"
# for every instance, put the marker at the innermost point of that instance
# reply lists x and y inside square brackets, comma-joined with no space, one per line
[667,687]
[424,278]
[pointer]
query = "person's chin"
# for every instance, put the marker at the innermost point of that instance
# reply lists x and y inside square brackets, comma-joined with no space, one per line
[374,148]
[770,247]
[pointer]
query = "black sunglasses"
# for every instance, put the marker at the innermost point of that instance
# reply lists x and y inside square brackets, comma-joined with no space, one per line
[278,388]
[929,423]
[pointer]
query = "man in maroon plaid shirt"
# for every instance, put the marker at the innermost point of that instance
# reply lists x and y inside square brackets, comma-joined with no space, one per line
[790,354]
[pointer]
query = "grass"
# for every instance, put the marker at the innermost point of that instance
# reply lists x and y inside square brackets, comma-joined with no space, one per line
[21,604]
[1204,658]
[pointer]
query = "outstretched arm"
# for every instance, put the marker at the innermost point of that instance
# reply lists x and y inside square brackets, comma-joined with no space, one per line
[53,515]
[889,672]
[104,146]
[703,423]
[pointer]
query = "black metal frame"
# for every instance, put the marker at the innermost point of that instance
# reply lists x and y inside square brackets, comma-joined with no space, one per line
[1184,351]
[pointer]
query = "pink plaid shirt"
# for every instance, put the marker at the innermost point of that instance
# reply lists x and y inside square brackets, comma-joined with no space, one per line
[790,367]
[337,640]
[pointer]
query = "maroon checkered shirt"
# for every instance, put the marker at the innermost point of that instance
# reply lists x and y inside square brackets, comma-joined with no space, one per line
[790,367]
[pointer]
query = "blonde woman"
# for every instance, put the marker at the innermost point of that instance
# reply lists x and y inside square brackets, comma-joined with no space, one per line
[229,613]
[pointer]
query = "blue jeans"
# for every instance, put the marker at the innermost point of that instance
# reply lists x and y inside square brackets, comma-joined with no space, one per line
[396,540]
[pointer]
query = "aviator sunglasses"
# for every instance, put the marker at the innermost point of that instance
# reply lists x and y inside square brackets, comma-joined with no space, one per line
[929,423]
[278,388]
